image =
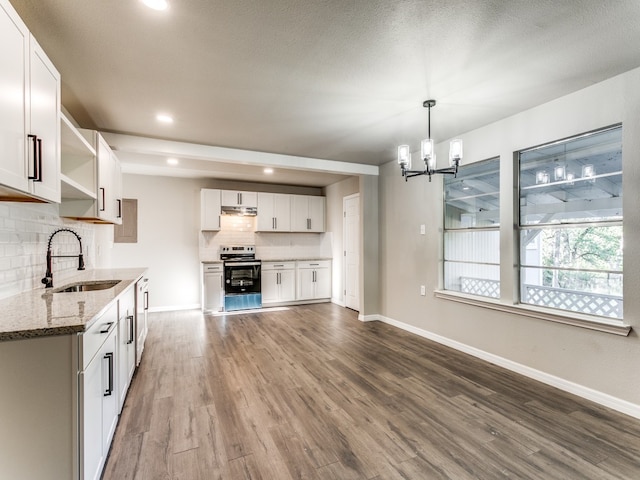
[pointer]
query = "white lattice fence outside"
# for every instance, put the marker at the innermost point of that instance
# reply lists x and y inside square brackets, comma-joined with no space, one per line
[480,286]
[575,301]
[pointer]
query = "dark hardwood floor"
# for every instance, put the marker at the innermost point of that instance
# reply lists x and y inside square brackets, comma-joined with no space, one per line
[312,393]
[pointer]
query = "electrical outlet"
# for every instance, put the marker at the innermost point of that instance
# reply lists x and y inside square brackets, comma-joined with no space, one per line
[423,290]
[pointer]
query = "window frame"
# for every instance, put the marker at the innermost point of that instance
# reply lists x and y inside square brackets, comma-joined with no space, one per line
[508,302]
[521,227]
[470,229]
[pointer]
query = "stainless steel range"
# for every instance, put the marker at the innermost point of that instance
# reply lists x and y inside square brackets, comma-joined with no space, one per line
[242,286]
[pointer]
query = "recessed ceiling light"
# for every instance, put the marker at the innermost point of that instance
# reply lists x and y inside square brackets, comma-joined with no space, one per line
[156,4]
[268,171]
[172,161]
[164,118]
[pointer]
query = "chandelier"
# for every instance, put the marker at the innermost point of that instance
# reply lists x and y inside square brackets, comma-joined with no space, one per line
[428,154]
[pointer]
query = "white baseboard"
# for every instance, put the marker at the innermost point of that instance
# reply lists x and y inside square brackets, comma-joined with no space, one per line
[173,308]
[370,318]
[337,301]
[601,398]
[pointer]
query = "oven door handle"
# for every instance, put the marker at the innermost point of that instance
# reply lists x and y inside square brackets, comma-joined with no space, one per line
[242,264]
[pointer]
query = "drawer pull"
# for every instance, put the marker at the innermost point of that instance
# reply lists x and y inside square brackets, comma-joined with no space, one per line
[106,328]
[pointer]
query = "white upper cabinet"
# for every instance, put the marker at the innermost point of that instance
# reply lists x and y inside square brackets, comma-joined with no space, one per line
[307,213]
[29,115]
[106,207]
[117,188]
[209,209]
[45,124]
[274,212]
[233,198]
[78,163]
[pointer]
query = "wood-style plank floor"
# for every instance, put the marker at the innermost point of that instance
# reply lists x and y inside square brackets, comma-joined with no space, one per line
[312,393]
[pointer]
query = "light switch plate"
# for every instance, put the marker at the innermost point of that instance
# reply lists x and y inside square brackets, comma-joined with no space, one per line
[423,229]
[423,290]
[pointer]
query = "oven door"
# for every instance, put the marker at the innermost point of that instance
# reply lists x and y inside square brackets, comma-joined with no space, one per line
[241,277]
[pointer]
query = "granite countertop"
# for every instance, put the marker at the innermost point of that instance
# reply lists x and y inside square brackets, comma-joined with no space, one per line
[297,259]
[40,313]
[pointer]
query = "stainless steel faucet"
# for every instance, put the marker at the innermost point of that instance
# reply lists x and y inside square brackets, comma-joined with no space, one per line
[48,276]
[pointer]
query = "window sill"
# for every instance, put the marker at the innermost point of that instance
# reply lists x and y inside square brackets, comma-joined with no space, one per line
[616,327]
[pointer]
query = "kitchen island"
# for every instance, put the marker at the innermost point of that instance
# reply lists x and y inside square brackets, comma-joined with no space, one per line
[65,365]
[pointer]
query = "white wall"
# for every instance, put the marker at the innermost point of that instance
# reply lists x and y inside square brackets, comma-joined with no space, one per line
[335,194]
[599,365]
[168,225]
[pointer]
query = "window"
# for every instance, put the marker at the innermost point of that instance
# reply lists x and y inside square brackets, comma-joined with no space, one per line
[471,230]
[570,224]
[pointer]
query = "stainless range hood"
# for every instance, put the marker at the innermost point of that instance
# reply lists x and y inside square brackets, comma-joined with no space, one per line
[239,211]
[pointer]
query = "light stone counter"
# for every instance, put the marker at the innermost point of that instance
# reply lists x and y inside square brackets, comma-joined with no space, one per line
[41,313]
[297,259]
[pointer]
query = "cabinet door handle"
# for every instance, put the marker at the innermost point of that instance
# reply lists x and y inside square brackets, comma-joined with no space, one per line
[109,390]
[106,328]
[102,194]
[39,174]
[37,158]
[119,208]
[239,199]
[131,334]
[146,300]
[275,223]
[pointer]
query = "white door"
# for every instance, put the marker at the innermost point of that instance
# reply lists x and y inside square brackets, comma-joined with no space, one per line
[351,206]
[306,285]
[323,283]
[287,285]
[282,210]
[269,286]
[209,209]
[316,214]
[213,290]
[105,181]
[45,123]
[14,38]
[92,395]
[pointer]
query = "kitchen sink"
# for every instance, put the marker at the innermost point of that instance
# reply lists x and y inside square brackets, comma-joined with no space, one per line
[88,286]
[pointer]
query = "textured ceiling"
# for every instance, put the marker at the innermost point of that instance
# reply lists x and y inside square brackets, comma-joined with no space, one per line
[334,79]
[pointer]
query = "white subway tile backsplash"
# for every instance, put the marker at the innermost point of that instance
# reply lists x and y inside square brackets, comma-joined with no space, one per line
[24,233]
[269,246]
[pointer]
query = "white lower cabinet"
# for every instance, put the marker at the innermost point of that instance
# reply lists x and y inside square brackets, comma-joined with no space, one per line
[60,396]
[98,393]
[212,287]
[278,282]
[314,280]
[126,342]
